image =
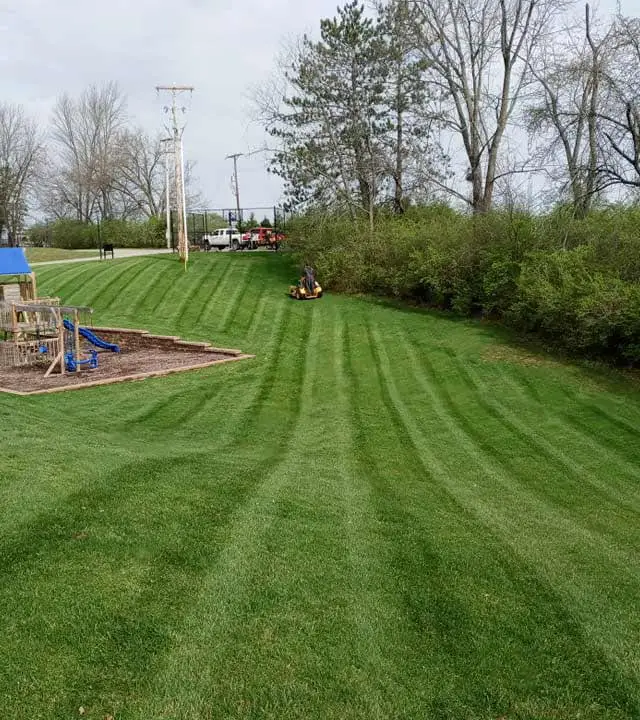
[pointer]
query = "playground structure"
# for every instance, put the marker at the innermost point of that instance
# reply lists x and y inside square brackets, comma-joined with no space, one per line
[39,330]
[46,346]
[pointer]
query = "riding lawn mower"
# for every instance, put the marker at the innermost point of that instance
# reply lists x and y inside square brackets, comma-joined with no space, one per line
[307,288]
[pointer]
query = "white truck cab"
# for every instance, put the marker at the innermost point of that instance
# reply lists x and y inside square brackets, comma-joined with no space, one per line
[223,238]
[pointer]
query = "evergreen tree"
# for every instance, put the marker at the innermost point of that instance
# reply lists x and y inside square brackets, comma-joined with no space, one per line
[331,122]
[410,151]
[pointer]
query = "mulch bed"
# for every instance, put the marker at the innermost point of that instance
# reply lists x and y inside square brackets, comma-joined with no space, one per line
[141,355]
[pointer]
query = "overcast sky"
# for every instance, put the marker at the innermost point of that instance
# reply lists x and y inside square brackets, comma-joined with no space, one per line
[222,47]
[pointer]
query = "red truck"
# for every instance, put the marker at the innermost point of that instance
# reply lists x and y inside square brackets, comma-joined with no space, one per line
[262,237]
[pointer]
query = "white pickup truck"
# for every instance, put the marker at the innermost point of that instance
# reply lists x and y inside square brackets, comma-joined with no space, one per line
[223,238]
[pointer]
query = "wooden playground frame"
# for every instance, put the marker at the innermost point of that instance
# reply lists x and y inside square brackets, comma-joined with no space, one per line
[38,332]
[127,336]
[41,316]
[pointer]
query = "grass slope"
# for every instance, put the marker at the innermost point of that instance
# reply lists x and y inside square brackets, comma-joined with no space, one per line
[387,514]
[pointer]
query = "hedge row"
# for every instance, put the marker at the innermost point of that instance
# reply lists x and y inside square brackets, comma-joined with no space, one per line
[74,235]
[575,283]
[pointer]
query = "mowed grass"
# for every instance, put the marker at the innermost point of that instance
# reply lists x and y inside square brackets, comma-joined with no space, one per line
[38,254]
[386,514]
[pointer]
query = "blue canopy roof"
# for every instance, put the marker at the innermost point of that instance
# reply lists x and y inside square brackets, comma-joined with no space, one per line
[13,262]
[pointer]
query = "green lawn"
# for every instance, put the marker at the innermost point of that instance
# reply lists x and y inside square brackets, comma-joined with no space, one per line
[386,514]
[37,254]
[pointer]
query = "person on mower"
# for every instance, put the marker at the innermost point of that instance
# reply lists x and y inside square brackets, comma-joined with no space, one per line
[308,280]
[307,287]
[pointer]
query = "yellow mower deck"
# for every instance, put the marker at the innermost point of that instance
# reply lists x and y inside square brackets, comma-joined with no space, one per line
[300,293]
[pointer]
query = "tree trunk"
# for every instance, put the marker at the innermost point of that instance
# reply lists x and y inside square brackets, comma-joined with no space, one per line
[398,205]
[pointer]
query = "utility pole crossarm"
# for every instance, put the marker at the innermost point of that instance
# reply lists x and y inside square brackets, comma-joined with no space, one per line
[176,88]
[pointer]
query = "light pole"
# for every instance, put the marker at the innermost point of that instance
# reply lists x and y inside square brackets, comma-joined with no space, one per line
[183,208]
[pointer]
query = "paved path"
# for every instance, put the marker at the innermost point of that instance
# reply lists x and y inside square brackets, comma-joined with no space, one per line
[119,254]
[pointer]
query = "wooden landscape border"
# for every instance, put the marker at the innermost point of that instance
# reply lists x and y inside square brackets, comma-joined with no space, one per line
[234,356]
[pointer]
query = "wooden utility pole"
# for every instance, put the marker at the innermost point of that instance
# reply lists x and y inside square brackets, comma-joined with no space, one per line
[167,190]
[236,186]
[236,182]
[176,132]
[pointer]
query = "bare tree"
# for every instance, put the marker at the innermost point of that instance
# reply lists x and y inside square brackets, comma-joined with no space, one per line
[621,118]
[566,119]
[410,154]
[21,156]
[85,135]
[478,51]
[140,179]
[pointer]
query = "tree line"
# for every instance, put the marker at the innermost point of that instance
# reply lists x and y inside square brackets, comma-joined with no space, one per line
[477,156]
[463,100]
[90,163]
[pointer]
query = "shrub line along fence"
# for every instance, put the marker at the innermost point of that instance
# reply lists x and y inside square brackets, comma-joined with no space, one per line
[573,282]
[73,234]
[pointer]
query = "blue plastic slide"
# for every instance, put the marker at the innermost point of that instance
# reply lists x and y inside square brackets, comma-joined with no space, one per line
[93,339]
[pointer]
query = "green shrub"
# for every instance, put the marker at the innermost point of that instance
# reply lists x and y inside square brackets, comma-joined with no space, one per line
[591,312]
[39,235]
[575,282]
[72,234]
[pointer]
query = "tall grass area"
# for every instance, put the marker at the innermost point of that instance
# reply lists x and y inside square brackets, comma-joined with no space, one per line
[574,283]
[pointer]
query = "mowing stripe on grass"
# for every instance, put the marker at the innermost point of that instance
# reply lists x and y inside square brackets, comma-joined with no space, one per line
[137,296]
[535,507]
[347,527]
[158,293]
[598,425]
[114,294]
[214,288]
[254,310]
[568,463]
[61,272]
[184,305]
[521,460]
[248,406]
[137,614]
[65,276]
[567,433]
[222,302]
[218,606]
[235,302]
[489,516]
[92,292]
[546,532]
[374,612]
